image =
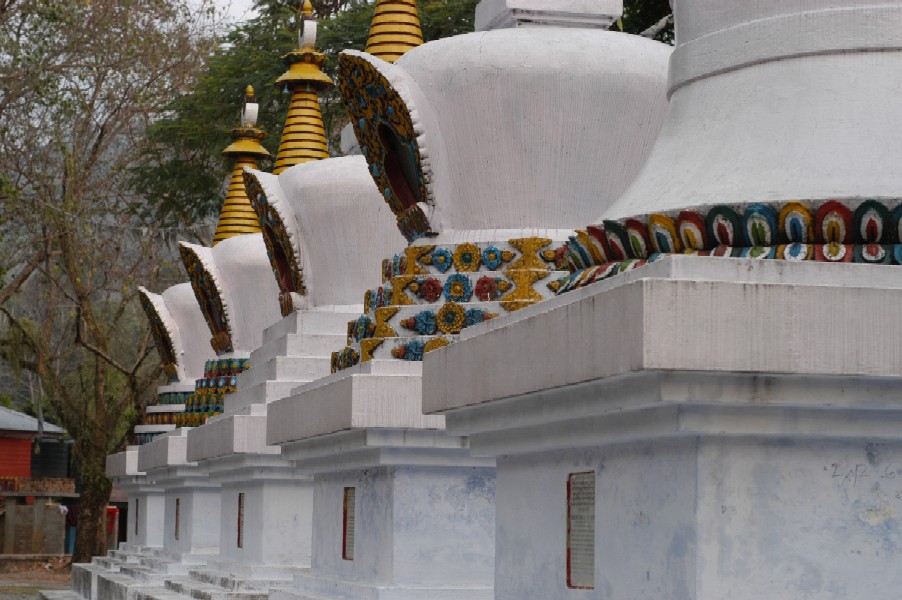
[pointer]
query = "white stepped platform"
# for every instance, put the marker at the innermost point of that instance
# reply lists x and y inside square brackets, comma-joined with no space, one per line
[300,344]
[295,350]
[321,320]
[59,595]
[372,394]
[293,368]
[195,584]
[260,393]
[225,435]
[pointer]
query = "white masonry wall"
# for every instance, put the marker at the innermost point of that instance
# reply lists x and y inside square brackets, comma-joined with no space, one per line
[198,521]
[149,518]
[276,522]
[402,512]
[643,517]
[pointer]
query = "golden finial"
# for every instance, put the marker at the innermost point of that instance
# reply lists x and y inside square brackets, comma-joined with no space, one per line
[395,29]
[237,216]
[303,137]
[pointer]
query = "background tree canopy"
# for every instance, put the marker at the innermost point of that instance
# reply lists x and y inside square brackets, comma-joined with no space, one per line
[81,83]
[183,175]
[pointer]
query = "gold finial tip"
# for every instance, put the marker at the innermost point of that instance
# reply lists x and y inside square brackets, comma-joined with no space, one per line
[249,90]
[307,8]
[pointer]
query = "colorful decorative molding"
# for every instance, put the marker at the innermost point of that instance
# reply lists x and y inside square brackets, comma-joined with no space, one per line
[388,140]
[823,231]
[210,300]
[208,400]
[173,397]
[279,246]
[161,337]
[523,253]
[192,409]
[431,293]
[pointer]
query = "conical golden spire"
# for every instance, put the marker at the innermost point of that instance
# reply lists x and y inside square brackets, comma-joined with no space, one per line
[238,216]
[303,138]
[395,29]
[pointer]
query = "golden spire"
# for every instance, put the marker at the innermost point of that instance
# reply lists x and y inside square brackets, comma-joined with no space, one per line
[303,138]
[238,216]
[395,29]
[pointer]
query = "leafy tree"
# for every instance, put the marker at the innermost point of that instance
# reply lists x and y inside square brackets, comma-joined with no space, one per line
[81,81]
[183,171]
[641,15]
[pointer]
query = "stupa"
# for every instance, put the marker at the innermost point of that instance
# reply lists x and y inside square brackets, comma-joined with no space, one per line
[706,427]
[480,244]
[179,334]
[323,227]
[187,527]
[428,127]
[178,331]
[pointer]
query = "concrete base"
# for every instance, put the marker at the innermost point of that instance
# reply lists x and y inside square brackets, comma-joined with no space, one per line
[274,505]
[741,422]
[191,504]
[423,507]
[84,579]
[424,512]
[146,513]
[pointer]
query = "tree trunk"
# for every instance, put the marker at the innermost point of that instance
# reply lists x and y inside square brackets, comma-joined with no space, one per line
[91,534]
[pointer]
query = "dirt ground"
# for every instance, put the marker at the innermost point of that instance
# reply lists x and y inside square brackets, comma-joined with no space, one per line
[25,586]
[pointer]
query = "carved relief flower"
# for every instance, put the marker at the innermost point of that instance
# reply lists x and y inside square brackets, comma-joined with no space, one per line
[486,288]
[450,318]
[491,258]
[442,259]
[430,289]
[467,257]
[457,288]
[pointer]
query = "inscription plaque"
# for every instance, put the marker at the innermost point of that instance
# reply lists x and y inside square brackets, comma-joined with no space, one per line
[347,541]
[241,519]
[581,530]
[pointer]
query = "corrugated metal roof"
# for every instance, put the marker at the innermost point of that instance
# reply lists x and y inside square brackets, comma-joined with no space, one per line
[11,420]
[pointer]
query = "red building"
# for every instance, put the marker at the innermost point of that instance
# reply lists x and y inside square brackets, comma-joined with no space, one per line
[18,435]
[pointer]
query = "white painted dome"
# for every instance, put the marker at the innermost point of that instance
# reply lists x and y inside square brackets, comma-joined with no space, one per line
[515,129]
[235,283]
[775,101]
[179,315]
[336,223]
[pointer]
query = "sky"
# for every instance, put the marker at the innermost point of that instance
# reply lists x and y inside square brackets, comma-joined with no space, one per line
[237,10]
[234,11]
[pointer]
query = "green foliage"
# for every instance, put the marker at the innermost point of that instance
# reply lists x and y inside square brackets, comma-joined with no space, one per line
[183,173]
[639,15]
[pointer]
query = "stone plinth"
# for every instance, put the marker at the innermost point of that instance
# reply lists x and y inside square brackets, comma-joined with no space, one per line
[708,428]
[144,527]
[123,464]
[401,510]
[295,350]
[373,394]
[266,509]
[266,506]
[191,505]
